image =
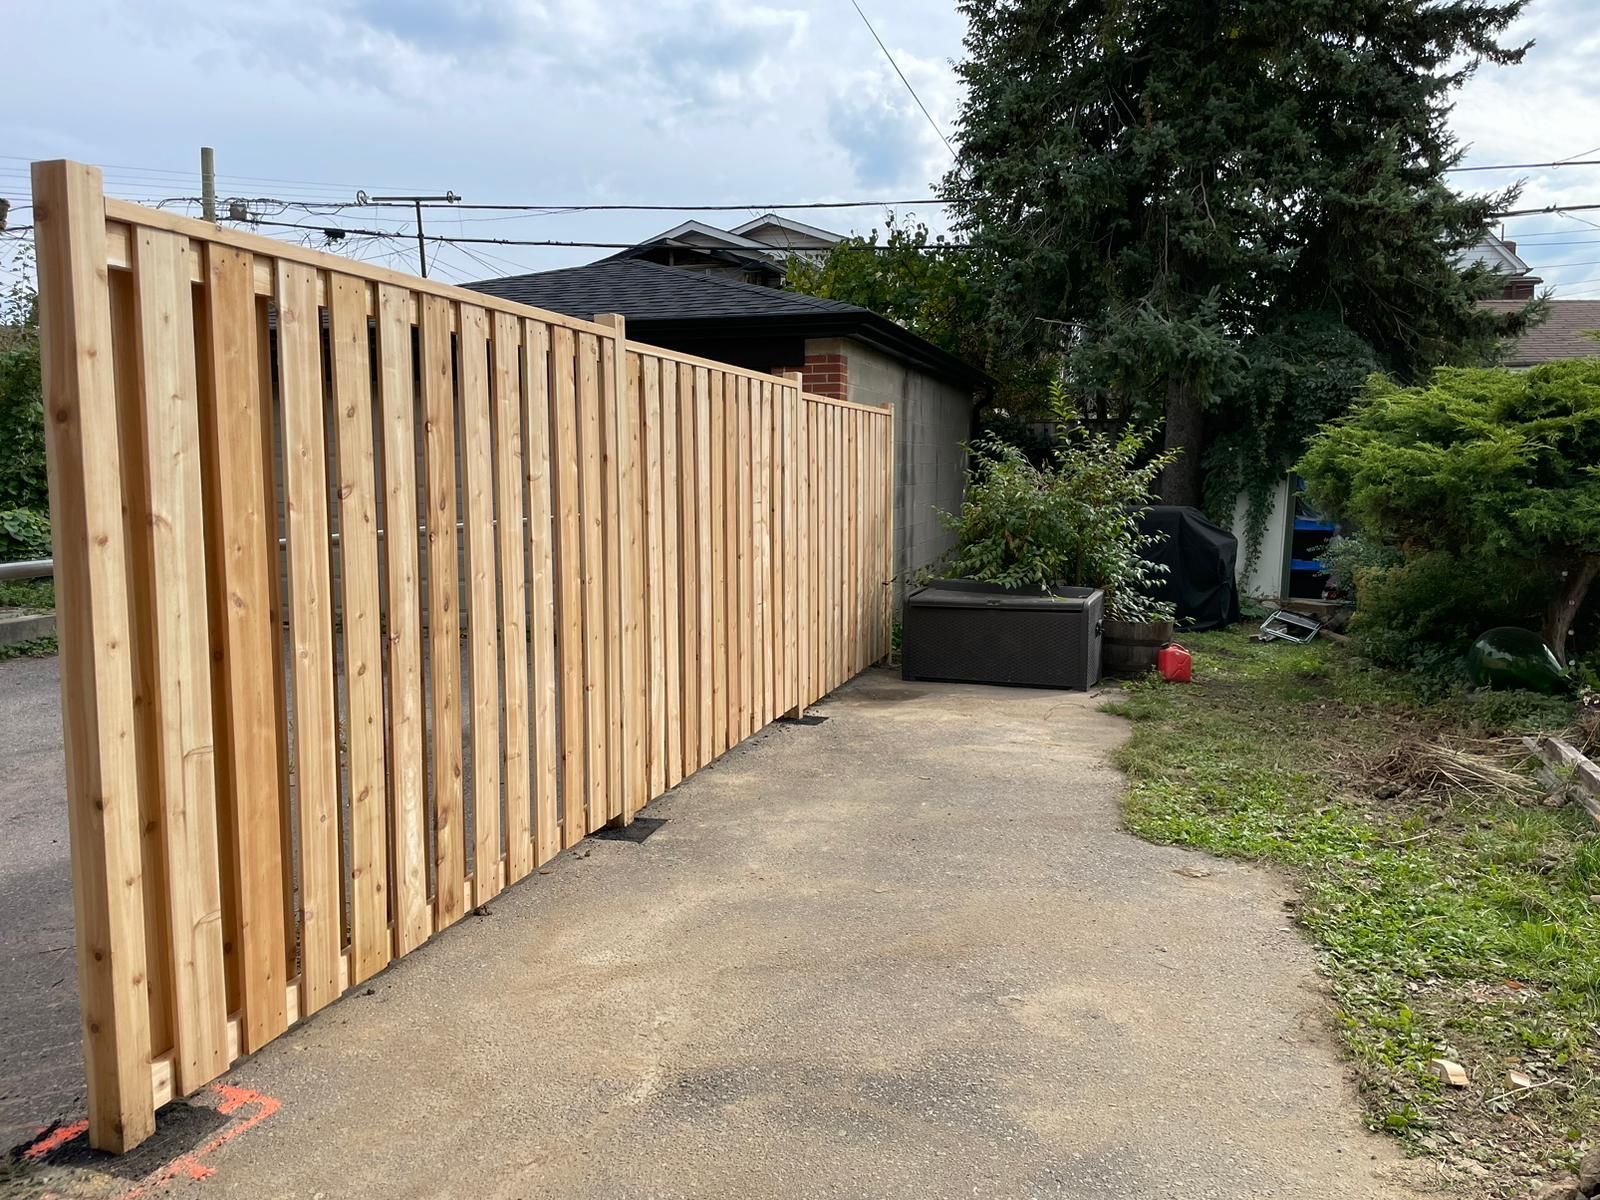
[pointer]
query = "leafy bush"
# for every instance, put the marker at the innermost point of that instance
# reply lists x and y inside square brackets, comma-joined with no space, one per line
[22,467]
[1478,502]
[24,533]
[1072,521]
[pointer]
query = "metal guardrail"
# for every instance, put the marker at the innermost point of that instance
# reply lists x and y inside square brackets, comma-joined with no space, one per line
[34,568]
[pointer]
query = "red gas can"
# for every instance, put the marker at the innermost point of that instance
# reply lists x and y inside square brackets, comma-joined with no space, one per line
[1174,663]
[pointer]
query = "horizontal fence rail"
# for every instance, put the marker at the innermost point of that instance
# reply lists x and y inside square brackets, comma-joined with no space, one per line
[298,748]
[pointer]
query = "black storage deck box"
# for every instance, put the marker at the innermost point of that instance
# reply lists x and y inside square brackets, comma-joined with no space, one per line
[959,631]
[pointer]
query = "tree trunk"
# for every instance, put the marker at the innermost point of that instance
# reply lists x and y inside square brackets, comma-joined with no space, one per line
[1181,482]
[1558,617]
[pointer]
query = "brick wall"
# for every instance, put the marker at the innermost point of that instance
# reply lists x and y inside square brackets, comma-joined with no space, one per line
[827,374]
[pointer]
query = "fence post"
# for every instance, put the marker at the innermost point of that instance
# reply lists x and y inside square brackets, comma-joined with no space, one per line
[892,571]
[92,621]
[628,584]
[792,547]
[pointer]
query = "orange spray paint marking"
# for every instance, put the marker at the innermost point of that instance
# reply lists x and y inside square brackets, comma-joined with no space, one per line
[54,1140]
[233,1103]
[189,1165]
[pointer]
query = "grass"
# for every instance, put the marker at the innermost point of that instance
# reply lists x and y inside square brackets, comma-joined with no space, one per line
[1458,925]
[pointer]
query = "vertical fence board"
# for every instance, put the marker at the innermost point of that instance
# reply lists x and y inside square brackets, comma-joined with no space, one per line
[152,849]
[716,577]
[247,704]
[592,494]
[774,435]
[747,675]
[408,802]
[672,547]
[483,617]
[886,545]
[803,555]
[814,606]
[636,711]
[568,574]
[542,622]
[363,633]
[758,552]
[772,621]
[728,483]
[174,549]
[444,620]
[305,482]
[836,625]
[655,579]
[860,509]
[791,548]
[689,567]
[613,737]
[706,519]
[511,537]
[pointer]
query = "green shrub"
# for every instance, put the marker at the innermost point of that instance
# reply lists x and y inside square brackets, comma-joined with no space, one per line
[1071,521]
[1478,503]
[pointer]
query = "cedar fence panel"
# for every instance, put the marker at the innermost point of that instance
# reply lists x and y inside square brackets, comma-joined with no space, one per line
[536,575]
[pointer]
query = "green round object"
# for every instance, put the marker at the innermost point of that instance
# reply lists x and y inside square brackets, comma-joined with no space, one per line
[1507,657]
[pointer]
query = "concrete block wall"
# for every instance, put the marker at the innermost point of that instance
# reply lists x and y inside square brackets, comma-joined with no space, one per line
[933,421]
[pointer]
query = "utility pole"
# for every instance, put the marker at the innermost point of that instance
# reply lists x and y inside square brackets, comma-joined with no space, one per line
[208,184]
[416,202]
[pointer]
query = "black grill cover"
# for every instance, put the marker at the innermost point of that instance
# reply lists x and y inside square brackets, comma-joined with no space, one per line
[1201,559]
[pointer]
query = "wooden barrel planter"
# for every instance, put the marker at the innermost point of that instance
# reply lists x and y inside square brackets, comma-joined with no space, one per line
[1129,648]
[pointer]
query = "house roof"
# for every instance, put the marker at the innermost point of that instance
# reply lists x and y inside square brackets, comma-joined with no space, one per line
[688,231]
[1497,254]
[1560,336]
[659,301]
[789,231]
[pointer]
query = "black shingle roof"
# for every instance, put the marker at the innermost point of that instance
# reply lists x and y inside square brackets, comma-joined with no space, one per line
[646,291]
[667,301]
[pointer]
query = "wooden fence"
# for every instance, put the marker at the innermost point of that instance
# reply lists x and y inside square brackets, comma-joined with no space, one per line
[276,788]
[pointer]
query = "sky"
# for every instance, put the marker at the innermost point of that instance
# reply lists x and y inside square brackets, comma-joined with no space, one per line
[563,102]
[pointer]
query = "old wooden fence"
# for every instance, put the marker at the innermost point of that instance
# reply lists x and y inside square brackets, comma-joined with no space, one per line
[627,560]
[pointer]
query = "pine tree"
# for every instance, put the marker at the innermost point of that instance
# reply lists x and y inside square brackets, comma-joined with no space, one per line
[1221,203]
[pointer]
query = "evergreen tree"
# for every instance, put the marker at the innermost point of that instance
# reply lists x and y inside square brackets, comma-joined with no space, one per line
[1232,209]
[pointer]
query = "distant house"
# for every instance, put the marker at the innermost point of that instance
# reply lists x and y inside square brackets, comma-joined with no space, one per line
[754,252]
[1562,335]
[841,350]
[1518,282]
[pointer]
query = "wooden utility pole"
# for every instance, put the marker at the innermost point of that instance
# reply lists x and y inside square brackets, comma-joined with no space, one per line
[416,202]
[208,184]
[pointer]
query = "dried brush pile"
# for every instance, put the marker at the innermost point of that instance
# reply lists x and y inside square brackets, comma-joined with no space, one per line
[1420,768]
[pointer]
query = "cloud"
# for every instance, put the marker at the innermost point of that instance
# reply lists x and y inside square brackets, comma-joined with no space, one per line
[880,137]
[459,27]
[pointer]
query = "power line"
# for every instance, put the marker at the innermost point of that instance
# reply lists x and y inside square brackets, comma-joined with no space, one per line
[347,231]
[1560,162]
[1549,208]
[557,209]
[1562,266]
[904,80]
[1580,154]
